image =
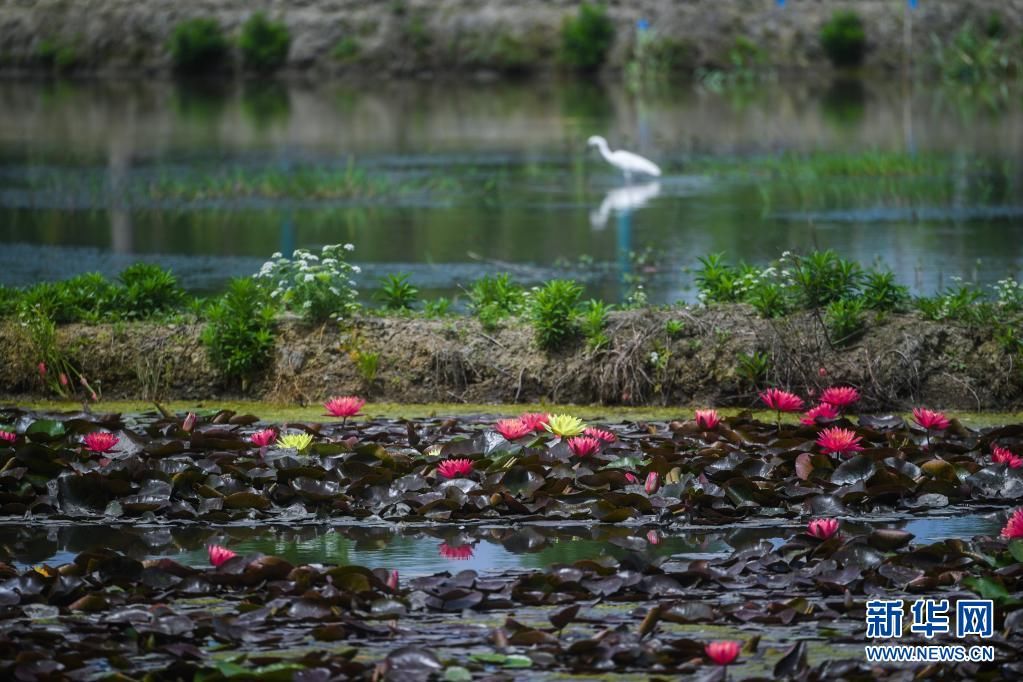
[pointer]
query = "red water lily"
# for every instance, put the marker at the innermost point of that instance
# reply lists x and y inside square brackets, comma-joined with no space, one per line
[824,411]
[8,436]
[455,467]
[631,478]
[781,401]
[722,652]
[1014,526]
[707,420]
[583,446]
[839,441]
[653,483]
[264,438]
[457,552]
[840,396]
[512,429]
[822,528]
[220,555]
[535,420]
[344,406]
[1002,455]
[600,434]
[930,419]
[100,441]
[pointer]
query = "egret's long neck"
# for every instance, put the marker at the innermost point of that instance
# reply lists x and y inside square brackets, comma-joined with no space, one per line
[604,151]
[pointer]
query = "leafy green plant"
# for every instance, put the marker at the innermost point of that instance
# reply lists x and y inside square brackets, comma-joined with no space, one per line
[753,367]
[57,55]
[957,302]
[148,289]
[844,320]
[553,311]
[397,293]
[439,307]
[844,39]
[239,332]
[495,297]
[318,288]
[593,321]
[882,293]
[198,45]
[717,281]
[974,57]
[822,277]
[264,43]
[674,328]
[586,38]
[769,299]
[347,49]
[367,363]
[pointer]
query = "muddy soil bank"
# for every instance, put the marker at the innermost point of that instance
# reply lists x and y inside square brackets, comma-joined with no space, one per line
[900,361]
[437,37]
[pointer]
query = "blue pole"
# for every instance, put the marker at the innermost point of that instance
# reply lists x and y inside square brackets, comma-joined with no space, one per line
[912,3]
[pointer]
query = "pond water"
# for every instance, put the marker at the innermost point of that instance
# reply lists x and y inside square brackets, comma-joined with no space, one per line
[431,549]
[447,182]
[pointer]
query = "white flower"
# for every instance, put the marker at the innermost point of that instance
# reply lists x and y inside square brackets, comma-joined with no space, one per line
[310,256]
[335,291]
[356,269]
[329,261]
[307,304]
[349,247]
[277,254]
[308,278]
[351,282]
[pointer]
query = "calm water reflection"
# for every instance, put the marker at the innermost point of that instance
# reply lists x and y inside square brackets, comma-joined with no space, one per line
[427,551]
[511,179]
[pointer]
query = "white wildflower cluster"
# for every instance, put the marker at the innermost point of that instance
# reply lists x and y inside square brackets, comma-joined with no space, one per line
[318,287]
[1008,294]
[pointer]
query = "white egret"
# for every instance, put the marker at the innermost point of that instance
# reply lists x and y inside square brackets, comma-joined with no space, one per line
[627,162]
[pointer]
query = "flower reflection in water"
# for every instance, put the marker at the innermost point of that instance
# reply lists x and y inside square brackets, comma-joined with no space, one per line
[457,552]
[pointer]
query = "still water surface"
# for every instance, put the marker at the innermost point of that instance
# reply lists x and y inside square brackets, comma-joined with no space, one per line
[428,550]
[470,178]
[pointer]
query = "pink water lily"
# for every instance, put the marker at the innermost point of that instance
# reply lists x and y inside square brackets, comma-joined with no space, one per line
[722,652]
[840,396]
[452,468]
[220,555]
[653,483]
[707,420]
[824,411]
[631,478]
[344,406]
[781,401]
[535,420]
[189,422]
[8,436]
[930,420]
[583,446]
[1000,455]
[600,434]
[513,429]
[264,438]
[822,528]
[1014,526]
[839,441]
[100,441]
[392,581]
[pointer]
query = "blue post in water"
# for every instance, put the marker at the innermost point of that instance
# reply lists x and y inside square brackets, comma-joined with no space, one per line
[912,3]
[624,248]
[781,3]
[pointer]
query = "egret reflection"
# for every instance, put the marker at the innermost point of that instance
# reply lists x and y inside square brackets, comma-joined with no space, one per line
[623,200]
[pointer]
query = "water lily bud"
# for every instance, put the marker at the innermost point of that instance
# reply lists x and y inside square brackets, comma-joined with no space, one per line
[392,581]
[42,369]
[189,422]
[653,537]
[63,379]
[495,499]
[653,483]
[673,476]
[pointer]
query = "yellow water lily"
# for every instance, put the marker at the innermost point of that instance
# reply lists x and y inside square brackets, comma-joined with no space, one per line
[296,441]
[564,425]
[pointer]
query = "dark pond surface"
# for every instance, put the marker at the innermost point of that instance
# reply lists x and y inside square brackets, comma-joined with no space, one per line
[94,175]
[431,549]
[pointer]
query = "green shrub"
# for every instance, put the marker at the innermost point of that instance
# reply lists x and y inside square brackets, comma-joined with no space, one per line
[89,297]
[882,293]
[974,57]
[844,320]
[674,328]
[753,367]
[495,297]
[347,49]
[586,38]
[716,280]
[959,302]
[148,289]
[594,319]
[239,334]
[553,311]
[318,288]
[198,45]
[397,293]
[822,277]
[844,39]
[440,307]
[264,43]
[56,55]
